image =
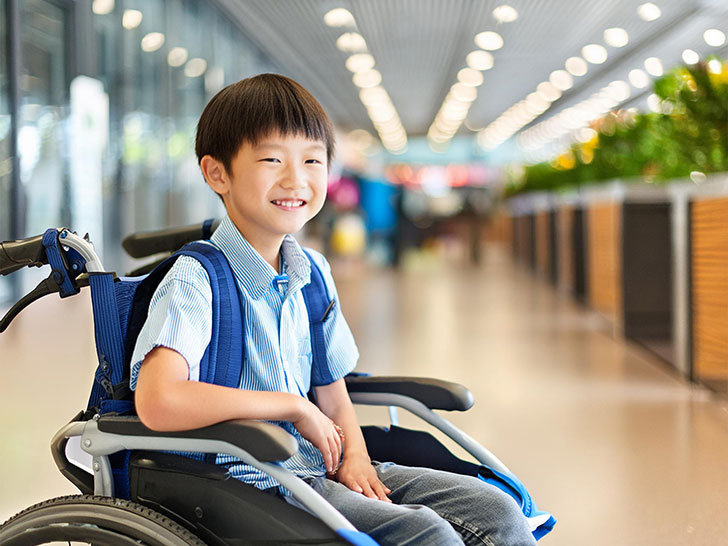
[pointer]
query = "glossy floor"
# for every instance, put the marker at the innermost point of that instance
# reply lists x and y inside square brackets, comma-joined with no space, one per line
[605,435]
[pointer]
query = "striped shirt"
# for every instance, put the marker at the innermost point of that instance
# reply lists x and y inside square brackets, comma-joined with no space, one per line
[277,338]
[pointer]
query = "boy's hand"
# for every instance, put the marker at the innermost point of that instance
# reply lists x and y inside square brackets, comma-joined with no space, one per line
[322,433]
[358,474]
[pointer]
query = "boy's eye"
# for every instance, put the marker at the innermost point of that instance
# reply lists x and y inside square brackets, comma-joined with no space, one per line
[314,161]
[271,159]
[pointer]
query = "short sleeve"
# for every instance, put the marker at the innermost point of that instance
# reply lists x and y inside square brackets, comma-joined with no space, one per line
[179,317]
[341,351]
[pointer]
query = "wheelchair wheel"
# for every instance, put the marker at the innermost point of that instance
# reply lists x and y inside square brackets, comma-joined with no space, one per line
[87,519]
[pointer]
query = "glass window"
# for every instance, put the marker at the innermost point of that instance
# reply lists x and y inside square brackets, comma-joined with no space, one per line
[160,68]
[44,91]
[6,164]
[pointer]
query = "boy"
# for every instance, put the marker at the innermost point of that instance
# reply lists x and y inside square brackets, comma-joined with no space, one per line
[264,146]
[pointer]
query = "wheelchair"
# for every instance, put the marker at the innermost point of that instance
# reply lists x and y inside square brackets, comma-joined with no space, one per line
[177,500]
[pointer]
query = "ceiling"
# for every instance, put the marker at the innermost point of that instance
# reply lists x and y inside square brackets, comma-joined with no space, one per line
[420,45]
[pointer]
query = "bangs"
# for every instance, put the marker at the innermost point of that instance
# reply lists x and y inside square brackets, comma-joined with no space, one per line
[256,108]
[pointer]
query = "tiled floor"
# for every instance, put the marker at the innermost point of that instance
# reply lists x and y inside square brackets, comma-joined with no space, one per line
[606,437]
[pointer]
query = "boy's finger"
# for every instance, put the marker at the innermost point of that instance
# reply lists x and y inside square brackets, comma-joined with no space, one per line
[379,488]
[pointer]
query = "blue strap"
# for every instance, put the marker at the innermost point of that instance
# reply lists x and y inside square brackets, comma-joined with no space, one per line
[207,228]
[222,362]
[107,330]
[50,243]
[319,307]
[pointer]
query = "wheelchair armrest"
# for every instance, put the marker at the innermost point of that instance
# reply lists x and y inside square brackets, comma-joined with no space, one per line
[264,441]
[433,393]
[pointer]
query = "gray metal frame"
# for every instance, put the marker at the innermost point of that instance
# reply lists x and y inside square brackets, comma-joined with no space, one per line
[102,444]
[417,408]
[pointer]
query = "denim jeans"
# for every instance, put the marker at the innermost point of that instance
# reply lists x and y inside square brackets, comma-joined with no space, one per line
[430,507]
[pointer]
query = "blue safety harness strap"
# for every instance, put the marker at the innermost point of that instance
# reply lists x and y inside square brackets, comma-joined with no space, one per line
[319,308]
[222,363]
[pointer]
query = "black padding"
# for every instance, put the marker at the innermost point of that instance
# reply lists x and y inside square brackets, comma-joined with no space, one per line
[263,441]
[413,448]
[143,244]
[433,393]
[219,509]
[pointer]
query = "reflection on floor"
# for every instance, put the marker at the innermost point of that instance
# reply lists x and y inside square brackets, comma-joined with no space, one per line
[606,437]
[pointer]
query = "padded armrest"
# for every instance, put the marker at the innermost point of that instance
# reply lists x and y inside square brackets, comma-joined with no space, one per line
[264,441]
[433,393]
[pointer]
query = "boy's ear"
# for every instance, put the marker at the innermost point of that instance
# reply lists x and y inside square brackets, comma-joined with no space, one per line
[215,175]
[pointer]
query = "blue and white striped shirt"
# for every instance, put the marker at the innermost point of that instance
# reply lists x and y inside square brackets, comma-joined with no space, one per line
[277,338]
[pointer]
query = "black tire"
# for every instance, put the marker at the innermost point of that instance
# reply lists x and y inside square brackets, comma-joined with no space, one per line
[102,521]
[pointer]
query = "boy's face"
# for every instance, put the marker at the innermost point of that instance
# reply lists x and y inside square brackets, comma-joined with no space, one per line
[276,186]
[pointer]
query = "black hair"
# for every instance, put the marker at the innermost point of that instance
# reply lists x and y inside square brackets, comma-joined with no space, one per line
[256,107]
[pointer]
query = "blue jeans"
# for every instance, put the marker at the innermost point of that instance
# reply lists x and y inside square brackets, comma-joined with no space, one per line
[430,507]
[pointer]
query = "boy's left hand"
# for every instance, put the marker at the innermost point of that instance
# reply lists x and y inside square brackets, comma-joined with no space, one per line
[358,474]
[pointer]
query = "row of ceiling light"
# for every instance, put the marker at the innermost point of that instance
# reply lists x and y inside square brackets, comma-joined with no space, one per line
[368,79]
[153,41]
[535,104]
[455,107]
[572,123]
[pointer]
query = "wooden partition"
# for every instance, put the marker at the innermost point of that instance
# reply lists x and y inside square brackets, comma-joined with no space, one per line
[566,257]
[605,266]
[543,243]
[709,291]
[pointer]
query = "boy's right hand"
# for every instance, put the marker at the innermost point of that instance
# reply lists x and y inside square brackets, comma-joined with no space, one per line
[322,432]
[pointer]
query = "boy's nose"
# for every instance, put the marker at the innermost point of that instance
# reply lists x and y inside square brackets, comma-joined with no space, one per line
[294,178]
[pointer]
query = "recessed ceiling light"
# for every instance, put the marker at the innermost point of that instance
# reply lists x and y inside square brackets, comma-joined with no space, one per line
[548,91]
[132,18]
[177,56]
[195,67]
[619,90]
[714,37]
[489,40]
[653,65]
[102,7]
[368,78]
[639,78]
[339,17]
[351,42]
[690,56]
[576,66]
[470,76]
[372,95]
[479,60]
[152,41]
[505,14]
[359,62]
[653,103]
[649,11]
[464,93]
[594,53]
[561,80]
[616,37]
[715,66]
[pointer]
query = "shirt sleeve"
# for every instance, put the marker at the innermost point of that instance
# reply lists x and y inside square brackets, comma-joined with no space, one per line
[179,317]
[342,353]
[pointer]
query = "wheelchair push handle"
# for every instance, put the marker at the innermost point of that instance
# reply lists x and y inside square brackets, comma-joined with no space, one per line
[69,255]
[148,243]
[15,255]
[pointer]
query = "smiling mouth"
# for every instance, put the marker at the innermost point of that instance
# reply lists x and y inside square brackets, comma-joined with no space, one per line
[289,203]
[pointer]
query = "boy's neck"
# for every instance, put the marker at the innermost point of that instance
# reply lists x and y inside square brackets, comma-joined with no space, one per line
[268,247]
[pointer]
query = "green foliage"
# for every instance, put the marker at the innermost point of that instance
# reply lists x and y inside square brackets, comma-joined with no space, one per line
[690,135]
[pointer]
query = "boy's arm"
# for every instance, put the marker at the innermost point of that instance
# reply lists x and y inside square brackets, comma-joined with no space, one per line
[356,471]
[166,400]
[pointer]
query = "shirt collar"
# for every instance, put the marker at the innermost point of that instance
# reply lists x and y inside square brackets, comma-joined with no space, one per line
[251,271]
